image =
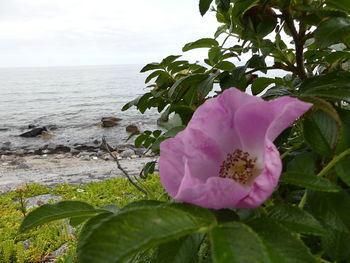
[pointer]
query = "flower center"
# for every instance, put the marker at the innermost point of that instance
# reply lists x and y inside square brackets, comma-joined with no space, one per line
[239,166]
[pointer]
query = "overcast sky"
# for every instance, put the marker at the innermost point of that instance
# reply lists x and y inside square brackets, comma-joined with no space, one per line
[98,32]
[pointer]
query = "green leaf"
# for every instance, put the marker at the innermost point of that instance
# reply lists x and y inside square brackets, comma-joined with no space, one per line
[151,66]
[51,212]
[332,209]
[122,235]
[201,43]
[214,55]
[321,132]
[260,84]
[184,250]
[240,7]
[185,82]
[225,65]
[220,30]
[296,220]
[303,163]
[311,182]
[331,31]
[204,6]
[333,86]
[90,225]
[344,141]
[236,78]
[257,62]
[342,170]
[281,244]
[153,75]
[169,59]
[148,168]
[236,243]
[276,91]
[206,85]
[339,4]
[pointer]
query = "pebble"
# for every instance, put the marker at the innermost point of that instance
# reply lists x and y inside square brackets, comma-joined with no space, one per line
[51,146]
[20,152]
[134,156]
[17,161]
[139,151]
[127,153]
[60,156]
[94,158]
[74,151]
[85,158]
[100,153]
[81,154]
[26,244]
[60,251]
[6,158]
[40,200]
[107,157]
[23,166]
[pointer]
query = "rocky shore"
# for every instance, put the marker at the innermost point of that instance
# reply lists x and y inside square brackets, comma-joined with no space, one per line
[54,164]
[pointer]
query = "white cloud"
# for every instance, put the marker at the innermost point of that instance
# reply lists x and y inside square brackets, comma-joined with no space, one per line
[75,32]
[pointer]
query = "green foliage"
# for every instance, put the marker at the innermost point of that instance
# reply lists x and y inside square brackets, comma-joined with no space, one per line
[45,239]
[307,218]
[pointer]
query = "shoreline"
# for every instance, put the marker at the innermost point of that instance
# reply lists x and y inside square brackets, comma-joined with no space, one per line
[56,168]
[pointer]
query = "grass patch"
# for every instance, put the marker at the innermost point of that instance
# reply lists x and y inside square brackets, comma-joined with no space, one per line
[36,245]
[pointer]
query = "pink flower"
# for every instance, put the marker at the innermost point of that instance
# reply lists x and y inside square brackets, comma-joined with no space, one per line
[226,156]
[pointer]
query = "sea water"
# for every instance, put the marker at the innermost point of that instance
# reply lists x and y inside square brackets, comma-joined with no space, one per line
[72,99]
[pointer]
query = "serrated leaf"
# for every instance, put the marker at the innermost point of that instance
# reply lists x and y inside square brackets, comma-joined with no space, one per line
[331,31]
[133,230]
[236,243]
[333,86]
[342,170]
[51,212]
[296,219]
[184,250]
[282,245]
[201,43]
[332,210]
[321,132]
[344,140]
[311,182]
[204,6]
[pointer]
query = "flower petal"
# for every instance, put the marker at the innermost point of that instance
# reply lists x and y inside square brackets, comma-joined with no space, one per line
[193,145]
[266,182]
[171,164]
[255,121]
[215,193]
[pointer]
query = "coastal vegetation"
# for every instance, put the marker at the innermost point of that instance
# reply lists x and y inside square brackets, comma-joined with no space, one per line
[256,164]
[39,244]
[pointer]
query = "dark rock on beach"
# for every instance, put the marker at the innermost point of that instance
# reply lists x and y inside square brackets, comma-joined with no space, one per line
[132,128]
[34,132]
[110,121]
